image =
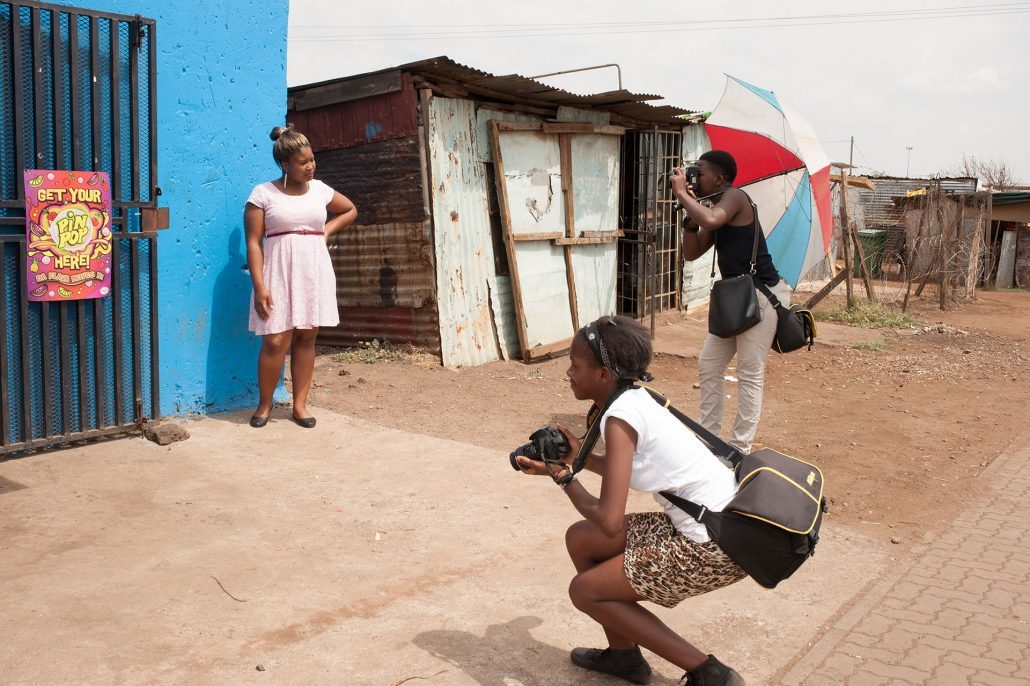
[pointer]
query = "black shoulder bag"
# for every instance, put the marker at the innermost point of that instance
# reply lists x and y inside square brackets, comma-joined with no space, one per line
[795,326]
[732,304]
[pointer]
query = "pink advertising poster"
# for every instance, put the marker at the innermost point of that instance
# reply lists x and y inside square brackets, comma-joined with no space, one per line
[68,218]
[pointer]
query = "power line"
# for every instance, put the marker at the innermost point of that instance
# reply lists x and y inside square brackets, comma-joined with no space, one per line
[663,23]
[868,164]
[478,31]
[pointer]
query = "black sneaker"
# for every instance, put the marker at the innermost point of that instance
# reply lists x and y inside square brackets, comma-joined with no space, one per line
[712,673]
[625,664]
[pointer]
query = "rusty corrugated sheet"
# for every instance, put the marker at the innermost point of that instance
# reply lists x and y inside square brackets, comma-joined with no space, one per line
[383,179]
[361,121]
[386,265]
[396,325]
[462,240]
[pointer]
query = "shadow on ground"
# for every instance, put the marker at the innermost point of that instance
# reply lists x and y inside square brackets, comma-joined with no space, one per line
[508,654]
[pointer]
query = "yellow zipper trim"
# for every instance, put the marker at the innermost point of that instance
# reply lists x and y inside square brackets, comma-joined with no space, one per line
[777,525]
[788,480]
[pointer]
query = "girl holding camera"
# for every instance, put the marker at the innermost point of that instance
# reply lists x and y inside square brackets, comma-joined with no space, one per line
[730,227]
[622,559]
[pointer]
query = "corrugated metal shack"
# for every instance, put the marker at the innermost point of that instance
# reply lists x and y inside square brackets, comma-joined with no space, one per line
[876,209]
[443,256]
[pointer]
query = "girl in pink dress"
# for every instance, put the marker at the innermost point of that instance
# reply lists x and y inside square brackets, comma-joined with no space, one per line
[294,282]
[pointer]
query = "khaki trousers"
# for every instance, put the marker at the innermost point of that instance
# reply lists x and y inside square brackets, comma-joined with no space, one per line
[751,349]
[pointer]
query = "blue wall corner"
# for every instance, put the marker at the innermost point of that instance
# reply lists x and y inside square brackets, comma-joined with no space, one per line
[221,87]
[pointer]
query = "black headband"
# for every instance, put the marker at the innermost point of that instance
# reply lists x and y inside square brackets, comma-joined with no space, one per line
[593,338]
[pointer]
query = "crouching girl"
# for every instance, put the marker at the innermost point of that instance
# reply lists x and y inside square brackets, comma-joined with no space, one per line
[622,559]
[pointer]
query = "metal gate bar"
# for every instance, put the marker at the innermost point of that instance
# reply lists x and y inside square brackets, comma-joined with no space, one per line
[78,370]
[52,128]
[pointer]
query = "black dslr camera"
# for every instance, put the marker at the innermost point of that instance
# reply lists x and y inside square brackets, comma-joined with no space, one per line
[692,173]
[546,444]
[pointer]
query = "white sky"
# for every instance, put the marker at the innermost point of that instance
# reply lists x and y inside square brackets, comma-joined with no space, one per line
[942,86]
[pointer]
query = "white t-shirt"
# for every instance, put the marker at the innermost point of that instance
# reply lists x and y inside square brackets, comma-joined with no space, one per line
[669,457]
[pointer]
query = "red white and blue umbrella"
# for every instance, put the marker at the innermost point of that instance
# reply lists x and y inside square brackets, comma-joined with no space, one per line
[782,166]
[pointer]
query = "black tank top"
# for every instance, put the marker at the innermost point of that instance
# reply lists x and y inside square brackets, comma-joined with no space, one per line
[733,245]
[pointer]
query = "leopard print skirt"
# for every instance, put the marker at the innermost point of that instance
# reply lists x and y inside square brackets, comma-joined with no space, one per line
[664,566]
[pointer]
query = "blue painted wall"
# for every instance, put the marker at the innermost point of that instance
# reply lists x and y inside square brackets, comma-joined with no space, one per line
[221,86]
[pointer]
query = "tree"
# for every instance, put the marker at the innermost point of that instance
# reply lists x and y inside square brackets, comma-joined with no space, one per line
[991,172]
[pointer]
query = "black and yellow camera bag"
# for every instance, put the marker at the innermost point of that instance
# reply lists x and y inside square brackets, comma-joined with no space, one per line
[795,326]
[771,525]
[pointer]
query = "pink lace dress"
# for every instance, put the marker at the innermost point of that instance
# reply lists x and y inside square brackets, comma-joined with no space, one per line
[298,271]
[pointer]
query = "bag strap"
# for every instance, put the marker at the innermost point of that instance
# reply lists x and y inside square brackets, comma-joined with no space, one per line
[690,507]
[756,223]
[768,294]
[714,443]
[594,429]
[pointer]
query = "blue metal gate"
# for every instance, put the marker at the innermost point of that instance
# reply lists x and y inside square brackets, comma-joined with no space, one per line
[78,91]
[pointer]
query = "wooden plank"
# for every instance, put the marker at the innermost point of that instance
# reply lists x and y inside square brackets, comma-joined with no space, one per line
[973,270]
[584,240]
[540,236]
[443,89]
[863,267]
[846,243]
[345,91]
[561,127]
[618,233]
[827,289]
[565,152]
[518,109]
[582,127]
[504,208]
[549,349]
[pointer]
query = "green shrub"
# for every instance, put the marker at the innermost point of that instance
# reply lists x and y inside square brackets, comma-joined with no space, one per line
[866,315]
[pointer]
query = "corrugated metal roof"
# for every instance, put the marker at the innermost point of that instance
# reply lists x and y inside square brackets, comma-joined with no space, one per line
[1010,198]
[515,88]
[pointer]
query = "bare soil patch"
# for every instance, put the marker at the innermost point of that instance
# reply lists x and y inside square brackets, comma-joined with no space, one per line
[901,425]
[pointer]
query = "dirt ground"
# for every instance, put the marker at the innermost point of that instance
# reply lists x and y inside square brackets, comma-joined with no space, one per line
[900,420]
[393,544]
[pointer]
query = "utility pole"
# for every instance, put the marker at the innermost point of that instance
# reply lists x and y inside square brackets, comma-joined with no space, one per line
[908,160]
[851,155]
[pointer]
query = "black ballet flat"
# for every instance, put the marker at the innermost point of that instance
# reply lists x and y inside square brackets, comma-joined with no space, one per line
[258,422]
[306,422]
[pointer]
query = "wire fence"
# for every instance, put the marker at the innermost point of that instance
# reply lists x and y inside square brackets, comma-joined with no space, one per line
[940,241]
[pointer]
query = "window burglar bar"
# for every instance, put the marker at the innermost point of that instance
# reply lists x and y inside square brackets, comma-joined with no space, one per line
[649,259]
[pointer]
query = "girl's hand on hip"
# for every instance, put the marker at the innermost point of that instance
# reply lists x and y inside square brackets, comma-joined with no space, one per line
[263,303]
